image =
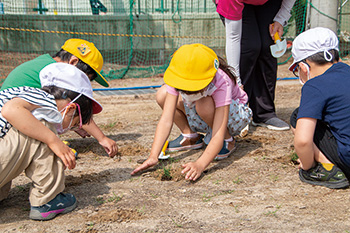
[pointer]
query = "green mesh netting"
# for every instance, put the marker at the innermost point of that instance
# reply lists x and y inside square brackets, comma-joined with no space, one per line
[137,37]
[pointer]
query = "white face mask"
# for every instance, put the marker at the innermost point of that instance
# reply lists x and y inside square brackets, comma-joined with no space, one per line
[308,75]
[190,99]
[59,127]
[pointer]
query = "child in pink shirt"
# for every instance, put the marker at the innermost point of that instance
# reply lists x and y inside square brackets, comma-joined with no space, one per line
[200,95]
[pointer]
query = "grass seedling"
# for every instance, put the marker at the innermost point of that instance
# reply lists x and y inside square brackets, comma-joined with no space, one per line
[238,180]
[90,225]
[178,225]
[217,182]
[166,173]
[274,177]
[173,160]
[141,210]
[294,158]
[109,125]
[206,197]
[273,213]
[226,192]
[154,196]
[99,200]
[115,198]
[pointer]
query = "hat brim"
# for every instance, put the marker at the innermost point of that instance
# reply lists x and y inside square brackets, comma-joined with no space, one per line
[173,80]
[100,79]
[96,107]
[291,67]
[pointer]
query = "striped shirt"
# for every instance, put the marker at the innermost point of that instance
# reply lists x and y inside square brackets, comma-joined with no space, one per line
[47,105]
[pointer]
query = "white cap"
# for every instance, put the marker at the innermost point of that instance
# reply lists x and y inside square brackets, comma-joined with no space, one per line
[71,78]
[313,41]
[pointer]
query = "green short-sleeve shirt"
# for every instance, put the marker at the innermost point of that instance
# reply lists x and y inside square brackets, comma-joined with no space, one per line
[27,74]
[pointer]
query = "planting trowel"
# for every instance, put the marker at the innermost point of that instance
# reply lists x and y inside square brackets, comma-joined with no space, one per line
[162,153]
[279,48]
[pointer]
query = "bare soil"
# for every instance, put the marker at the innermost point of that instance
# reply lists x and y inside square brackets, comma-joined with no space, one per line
[257,189]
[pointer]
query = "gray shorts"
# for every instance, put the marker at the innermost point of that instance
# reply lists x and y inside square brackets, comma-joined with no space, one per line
[239,117]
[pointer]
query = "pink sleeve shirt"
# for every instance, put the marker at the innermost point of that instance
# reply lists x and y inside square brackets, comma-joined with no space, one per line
[232,9]
[225,90]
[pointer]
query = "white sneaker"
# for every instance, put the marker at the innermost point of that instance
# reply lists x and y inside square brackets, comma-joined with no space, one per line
[273,123]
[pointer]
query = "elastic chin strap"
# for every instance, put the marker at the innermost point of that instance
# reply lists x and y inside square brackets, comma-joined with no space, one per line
[76,98]
[327,55]
[308,75]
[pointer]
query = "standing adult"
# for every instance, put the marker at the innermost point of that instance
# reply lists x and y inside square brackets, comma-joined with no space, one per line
[258,68]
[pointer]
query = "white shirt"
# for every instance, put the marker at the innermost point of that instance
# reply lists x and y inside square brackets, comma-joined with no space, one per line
[47,111]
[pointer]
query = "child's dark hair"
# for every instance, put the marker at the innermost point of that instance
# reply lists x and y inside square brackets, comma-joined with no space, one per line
[229,70]
[66,56]
[84,102]
[319,58]
[224,67]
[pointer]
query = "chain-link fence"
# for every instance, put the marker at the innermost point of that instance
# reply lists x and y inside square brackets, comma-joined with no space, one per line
[137,37]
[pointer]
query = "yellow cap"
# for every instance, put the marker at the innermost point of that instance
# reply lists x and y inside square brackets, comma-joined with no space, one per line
[88,53]
[192,67]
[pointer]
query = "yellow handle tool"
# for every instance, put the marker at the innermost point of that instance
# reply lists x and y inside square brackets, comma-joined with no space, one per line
[279,48]
[162,153]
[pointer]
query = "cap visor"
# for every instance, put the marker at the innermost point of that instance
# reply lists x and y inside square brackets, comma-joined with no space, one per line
[291,68]
[101,80]
[96,107]
[180,83]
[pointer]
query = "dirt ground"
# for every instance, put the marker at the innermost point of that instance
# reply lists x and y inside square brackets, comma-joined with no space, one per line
[257,189]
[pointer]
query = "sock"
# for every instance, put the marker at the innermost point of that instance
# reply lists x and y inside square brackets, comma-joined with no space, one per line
[190,135]
[328,166]
[229,139]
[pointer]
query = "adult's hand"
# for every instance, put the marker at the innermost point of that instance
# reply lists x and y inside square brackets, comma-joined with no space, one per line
[276,27]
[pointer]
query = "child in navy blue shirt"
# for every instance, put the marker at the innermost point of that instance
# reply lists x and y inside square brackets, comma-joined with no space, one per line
[321,124]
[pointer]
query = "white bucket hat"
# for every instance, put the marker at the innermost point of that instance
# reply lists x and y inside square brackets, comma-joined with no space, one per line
[313,41]
[71,78]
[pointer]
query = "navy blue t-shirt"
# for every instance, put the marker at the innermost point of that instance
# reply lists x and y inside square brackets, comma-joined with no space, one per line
[327,98]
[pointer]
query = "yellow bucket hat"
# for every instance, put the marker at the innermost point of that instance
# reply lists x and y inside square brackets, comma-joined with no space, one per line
[88,53]
[192,67]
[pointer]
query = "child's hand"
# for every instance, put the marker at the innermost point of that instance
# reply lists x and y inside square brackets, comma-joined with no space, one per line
[148,163]
[110,146]
[64,153]
[194,170]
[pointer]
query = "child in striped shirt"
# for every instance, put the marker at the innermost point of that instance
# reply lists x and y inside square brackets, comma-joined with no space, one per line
[30,119]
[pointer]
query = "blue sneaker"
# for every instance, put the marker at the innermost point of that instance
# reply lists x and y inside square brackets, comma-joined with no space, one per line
[225,152]
[183,143]
[61,204]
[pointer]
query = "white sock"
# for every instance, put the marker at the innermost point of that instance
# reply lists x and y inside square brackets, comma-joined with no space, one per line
[190,135]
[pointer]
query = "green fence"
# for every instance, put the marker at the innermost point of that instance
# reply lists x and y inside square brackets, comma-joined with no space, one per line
[135,37]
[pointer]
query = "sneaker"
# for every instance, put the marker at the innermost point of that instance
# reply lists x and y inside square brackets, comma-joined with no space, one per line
[225,152]
[334,179]
[183,143]
[61,204]
[273,123]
